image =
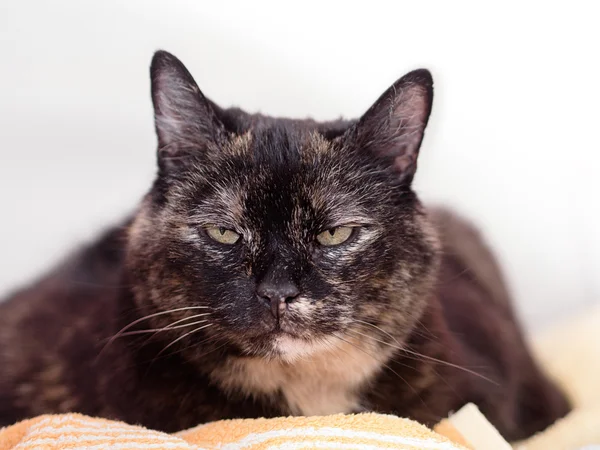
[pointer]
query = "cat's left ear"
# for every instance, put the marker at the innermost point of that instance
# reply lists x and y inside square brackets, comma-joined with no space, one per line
[394,126]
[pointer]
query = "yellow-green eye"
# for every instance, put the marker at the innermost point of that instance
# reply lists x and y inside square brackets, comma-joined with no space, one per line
[223,235]
[334,236]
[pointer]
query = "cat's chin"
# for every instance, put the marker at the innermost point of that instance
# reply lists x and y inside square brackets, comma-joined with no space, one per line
[289,348]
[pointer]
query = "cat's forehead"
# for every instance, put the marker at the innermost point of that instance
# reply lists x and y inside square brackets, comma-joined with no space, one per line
[270,146]
[281,174]
[279,159]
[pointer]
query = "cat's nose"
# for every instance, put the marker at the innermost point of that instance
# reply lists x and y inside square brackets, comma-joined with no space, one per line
[277,296]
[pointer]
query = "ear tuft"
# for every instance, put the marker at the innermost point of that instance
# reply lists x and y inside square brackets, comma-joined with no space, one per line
[393,128]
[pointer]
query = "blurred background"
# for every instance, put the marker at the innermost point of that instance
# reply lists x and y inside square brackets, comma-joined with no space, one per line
[513,142]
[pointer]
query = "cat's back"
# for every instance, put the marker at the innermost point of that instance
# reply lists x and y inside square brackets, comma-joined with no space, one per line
[54,322]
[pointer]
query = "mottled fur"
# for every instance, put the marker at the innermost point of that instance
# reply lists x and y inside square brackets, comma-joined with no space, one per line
[409,316]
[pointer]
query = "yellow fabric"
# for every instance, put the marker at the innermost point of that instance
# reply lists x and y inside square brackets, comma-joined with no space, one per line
[360,431]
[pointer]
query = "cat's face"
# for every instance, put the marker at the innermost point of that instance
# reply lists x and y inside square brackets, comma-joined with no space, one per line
[289,236]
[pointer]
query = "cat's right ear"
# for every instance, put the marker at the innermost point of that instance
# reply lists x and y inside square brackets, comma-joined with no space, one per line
[393,128]
[185,122]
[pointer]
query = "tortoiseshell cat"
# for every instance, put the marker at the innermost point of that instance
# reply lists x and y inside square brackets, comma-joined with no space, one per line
[275,267]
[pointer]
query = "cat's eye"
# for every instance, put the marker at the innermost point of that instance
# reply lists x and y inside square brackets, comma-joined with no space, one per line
[334,236]
[223,235]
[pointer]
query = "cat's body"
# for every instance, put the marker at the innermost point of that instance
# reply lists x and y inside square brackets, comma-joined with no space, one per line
[233,302]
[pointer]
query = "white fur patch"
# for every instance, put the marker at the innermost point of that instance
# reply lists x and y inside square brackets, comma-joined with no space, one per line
[315,379]
[292,348]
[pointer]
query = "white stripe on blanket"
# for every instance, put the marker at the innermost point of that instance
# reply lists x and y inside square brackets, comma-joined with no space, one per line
[257,438]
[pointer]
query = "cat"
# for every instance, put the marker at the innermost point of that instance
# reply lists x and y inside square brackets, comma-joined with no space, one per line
[276,267]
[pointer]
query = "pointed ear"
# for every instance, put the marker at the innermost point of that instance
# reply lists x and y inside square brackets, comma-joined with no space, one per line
[185,121]
[394,126]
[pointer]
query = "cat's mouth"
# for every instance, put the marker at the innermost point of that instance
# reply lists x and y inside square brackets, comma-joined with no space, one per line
[282,330]
[285,340]
[274,331]
[282,326]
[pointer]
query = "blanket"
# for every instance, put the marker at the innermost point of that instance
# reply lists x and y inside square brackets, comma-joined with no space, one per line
[361,431]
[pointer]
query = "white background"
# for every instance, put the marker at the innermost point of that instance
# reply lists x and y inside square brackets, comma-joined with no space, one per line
[513,142]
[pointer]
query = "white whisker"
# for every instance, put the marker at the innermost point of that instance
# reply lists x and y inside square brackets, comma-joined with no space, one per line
[157,330]
[422,356]
[141,319]
[386,366]
[182,337]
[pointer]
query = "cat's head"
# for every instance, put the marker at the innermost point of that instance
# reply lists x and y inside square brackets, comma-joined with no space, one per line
[283,236]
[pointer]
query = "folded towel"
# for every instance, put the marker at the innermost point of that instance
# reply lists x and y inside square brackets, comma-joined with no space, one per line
[361,432]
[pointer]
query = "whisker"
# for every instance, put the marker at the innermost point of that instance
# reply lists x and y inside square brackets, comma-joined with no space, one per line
[411,357]
[387,367]
[425,336]
[157,330]
[465,271]
[412,389]
[449,364]
[170,326]
[427,333]
[188,318]
[157,357]
[397,362]
[430,358]
[377,328]
[182,337]
[141,319]
[199,343]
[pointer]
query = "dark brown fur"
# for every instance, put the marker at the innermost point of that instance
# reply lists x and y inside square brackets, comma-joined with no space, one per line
[410,316]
